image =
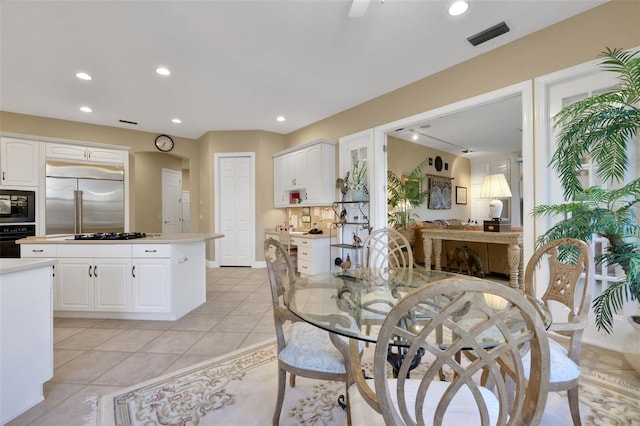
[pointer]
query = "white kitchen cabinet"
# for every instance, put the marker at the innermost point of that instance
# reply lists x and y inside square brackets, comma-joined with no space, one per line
[85,153]
[312,253]
[279,192]
[19,162]
[320,187]
[151,271]
[26,334]
[308,170]
[94,284]
[140,281]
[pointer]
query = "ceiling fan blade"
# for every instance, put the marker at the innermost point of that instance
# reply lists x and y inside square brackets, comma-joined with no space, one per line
[358,8]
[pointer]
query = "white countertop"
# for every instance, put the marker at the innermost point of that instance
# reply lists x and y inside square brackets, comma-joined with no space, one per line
[301,234]
[149,239]
[10,265]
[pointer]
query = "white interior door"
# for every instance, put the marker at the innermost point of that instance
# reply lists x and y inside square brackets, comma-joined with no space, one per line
[555,92]
[186,211]
[235,208]
[171,201]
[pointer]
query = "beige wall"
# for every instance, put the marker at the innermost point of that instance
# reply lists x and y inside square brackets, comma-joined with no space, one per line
[574,41]
[403,157]
[264,145]
[138,142]
[148,188]
[570,42]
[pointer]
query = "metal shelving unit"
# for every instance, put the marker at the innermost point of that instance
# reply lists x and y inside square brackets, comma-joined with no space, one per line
[352,219]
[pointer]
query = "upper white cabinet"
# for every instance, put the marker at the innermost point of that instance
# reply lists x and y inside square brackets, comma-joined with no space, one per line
[305,175]
[19,161]
[85,153]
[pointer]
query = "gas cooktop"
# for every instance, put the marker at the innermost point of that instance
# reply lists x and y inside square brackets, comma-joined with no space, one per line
[110,236]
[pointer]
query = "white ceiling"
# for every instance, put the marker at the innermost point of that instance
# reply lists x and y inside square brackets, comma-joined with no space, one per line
[490,128]
[236,65]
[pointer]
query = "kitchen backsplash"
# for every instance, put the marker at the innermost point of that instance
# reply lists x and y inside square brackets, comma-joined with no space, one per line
[309,217]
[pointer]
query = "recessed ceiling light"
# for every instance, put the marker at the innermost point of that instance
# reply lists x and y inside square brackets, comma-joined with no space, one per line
[280,118]
[414,137]
[85,109]
[163,71]
[458,8]
[83,76]
[176,120]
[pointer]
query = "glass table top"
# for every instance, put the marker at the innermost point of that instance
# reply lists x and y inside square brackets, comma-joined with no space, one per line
[355,302]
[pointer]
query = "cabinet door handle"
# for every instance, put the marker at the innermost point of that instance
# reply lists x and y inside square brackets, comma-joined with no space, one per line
[3,178]
[37,251]
[150,251]
[90,271]
[95,271]
[133,271]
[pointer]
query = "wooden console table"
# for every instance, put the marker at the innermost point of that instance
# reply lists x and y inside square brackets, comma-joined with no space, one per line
[432,239]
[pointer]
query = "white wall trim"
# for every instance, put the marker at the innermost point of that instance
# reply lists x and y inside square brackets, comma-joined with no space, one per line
[525,90]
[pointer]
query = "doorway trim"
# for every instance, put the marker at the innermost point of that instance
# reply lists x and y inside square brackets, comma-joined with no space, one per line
[525,90]
[216,200]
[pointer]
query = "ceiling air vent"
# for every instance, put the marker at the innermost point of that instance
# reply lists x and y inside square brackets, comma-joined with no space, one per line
[488,34]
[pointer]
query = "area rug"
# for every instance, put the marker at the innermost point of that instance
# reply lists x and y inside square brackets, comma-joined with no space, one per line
[240,389]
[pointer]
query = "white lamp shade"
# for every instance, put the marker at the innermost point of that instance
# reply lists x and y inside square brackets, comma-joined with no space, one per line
[495,186]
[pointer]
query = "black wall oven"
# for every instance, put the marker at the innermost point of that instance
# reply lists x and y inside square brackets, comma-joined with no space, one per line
[17,219]
[17,206]
[8,236]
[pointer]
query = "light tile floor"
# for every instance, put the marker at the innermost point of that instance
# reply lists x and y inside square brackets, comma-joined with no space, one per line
[96,357]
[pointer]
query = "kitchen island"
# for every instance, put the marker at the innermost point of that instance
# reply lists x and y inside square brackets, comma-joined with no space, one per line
[158,277]
[26,333]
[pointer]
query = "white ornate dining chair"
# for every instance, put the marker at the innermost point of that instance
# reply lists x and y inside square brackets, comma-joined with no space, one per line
[303,350]
[383,248]
[426,400]
[386,248]
[570,271]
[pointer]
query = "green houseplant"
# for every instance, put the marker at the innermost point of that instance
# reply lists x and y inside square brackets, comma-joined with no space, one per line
[403,194]
[602,127]
[357,181]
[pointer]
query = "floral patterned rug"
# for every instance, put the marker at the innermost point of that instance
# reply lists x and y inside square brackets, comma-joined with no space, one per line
[239,389]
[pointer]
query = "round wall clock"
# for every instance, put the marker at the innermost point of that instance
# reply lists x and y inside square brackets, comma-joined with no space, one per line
[164,143]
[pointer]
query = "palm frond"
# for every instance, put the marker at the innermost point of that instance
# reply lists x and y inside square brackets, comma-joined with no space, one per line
[600,126]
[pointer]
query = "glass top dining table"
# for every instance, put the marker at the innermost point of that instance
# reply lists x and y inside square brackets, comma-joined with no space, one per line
[354,303]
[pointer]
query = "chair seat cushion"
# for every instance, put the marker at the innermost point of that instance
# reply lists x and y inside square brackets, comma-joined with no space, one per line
[310,348]
[562,369]
[461,411]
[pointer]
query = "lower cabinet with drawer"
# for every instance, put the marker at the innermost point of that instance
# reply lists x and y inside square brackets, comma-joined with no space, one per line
[125,281]
[313,254]
[151,272]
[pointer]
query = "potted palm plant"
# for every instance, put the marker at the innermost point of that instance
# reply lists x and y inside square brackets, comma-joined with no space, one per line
[405,193]
[602,127]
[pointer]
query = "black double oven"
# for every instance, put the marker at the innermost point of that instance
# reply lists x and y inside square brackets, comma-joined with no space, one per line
[17,219]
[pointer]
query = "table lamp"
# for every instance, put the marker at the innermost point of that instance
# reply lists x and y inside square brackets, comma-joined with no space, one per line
[495,186]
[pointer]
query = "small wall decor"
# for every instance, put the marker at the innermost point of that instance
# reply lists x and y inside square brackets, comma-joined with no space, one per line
[430,161]
[438,163]
[306,215]
[461,195]
[439,192]
[446,166]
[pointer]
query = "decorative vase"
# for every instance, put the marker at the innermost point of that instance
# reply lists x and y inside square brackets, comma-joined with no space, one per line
[357,195]
[631,346]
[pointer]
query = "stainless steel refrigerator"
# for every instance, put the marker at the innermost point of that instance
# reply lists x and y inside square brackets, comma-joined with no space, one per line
[84,198]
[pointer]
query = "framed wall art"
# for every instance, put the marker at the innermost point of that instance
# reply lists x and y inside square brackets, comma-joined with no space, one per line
[439,192]
[461,195]
[306,215]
